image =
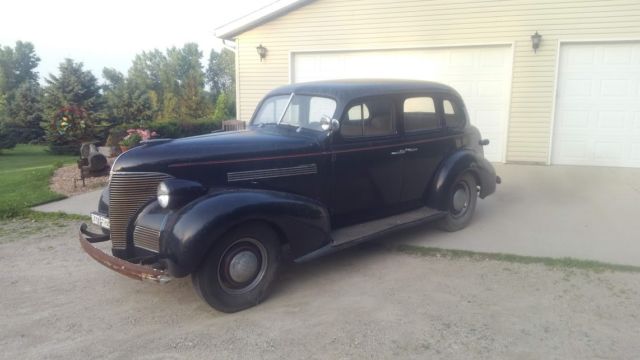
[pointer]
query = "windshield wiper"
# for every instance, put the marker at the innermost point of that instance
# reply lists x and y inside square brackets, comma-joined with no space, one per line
[284,112]
[266,123]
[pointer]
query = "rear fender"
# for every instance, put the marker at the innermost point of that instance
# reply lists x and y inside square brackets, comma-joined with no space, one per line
[193,230]
[463,160]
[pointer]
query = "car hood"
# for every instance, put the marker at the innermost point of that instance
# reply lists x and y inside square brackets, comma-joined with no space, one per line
[168,156]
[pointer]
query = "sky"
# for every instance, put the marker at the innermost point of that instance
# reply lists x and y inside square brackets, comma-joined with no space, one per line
[109,33]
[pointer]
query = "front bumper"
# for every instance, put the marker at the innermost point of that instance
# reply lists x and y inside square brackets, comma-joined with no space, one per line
[134,271]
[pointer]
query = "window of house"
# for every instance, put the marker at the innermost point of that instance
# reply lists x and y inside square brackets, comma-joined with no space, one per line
[420,114]
[368,119]
[453,115]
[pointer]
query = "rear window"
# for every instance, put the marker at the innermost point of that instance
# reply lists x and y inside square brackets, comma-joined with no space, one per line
[420,114]
[453,115]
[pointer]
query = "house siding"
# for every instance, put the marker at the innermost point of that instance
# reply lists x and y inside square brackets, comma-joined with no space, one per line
[374,24]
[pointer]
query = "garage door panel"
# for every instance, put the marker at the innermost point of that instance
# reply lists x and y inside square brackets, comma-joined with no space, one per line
[573,120]
[612,120]
[480,74]
[635,152]
[597,105]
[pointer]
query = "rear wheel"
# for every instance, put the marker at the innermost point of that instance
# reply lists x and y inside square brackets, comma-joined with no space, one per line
[240,269]
[462,203]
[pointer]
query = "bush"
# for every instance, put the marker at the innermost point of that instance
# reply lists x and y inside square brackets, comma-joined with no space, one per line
[7,137]
[68,128]
[116,135]
[173,129]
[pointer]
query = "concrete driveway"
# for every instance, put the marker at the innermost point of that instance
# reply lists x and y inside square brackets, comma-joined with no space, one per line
[557,211]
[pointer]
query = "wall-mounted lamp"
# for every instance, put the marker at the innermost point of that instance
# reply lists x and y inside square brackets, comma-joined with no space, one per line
[535,41]
[262,51]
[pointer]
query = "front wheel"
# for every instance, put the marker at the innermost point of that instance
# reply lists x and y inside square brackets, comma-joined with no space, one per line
[240,269]
[462,203]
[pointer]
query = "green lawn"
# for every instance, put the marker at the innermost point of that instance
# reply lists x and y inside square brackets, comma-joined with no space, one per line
[24,178]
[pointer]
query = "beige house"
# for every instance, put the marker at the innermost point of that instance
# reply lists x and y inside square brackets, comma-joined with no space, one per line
[574,100]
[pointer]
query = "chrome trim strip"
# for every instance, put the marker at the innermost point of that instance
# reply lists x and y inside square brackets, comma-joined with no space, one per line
[306,169]
[146,238]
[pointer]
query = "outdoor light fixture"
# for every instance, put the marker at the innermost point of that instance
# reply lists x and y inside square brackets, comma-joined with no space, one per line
[535,41]
[262,51]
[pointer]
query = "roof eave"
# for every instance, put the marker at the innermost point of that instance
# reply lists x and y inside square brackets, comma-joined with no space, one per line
[234,28]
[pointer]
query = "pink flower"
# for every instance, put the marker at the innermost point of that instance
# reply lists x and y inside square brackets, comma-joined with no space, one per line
[145,134]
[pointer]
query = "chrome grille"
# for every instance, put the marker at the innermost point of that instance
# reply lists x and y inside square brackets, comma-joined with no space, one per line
[146,238]
[128,192]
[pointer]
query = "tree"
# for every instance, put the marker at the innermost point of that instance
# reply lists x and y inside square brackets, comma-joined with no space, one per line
[183,82]
[221,111]
[74,86]
[72,103]
[20,91]
[221,73]
[26,112]
[7,140]
[125,102]
[145,77]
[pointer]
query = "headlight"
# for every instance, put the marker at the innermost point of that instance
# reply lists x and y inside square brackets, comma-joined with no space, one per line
[163,195]
[174,193]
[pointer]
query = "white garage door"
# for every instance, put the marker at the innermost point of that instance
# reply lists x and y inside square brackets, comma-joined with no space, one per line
[481,75]
[598,105]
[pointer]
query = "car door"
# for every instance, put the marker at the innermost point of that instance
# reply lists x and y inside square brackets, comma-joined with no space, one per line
[426,144]
[367,162]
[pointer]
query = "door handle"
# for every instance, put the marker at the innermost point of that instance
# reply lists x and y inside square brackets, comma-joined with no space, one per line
[399,152]
[411,149]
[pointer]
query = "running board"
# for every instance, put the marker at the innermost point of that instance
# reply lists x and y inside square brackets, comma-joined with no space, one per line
[355,234]
[363,231]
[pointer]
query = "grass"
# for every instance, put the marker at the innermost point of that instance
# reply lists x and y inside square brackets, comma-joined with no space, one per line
[24,179]
[556,263]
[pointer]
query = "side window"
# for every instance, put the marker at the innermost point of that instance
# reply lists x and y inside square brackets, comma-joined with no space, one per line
[352,124]
[453,115]
[420,114]
[370,118]
[319,107]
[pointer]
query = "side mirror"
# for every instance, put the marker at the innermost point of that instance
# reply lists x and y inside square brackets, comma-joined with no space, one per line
[335,125]
[329,124]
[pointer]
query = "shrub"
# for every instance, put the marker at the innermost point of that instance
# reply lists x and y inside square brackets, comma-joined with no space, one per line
[68,128]
[116,135]
[7,137]
[173,129]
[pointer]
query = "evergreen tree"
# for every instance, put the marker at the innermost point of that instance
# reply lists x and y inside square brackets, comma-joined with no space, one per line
[72,102]
[26,112]
[20,92]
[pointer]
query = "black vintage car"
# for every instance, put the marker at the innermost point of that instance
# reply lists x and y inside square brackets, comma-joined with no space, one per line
[321,166]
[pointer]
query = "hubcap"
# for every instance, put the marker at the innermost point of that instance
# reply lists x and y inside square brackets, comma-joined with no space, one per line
[243,266]
[461,198]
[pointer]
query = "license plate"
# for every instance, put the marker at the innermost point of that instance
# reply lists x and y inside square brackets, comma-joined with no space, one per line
[100,220]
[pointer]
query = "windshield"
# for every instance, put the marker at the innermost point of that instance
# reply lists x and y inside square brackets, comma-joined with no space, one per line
[302,111]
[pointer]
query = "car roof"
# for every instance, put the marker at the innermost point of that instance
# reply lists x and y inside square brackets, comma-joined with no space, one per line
[345,90]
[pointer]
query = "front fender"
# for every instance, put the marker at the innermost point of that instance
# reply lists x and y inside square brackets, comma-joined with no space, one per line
[454,165]
[193,230]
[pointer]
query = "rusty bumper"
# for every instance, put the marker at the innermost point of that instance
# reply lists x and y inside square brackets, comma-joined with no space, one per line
[134,271]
